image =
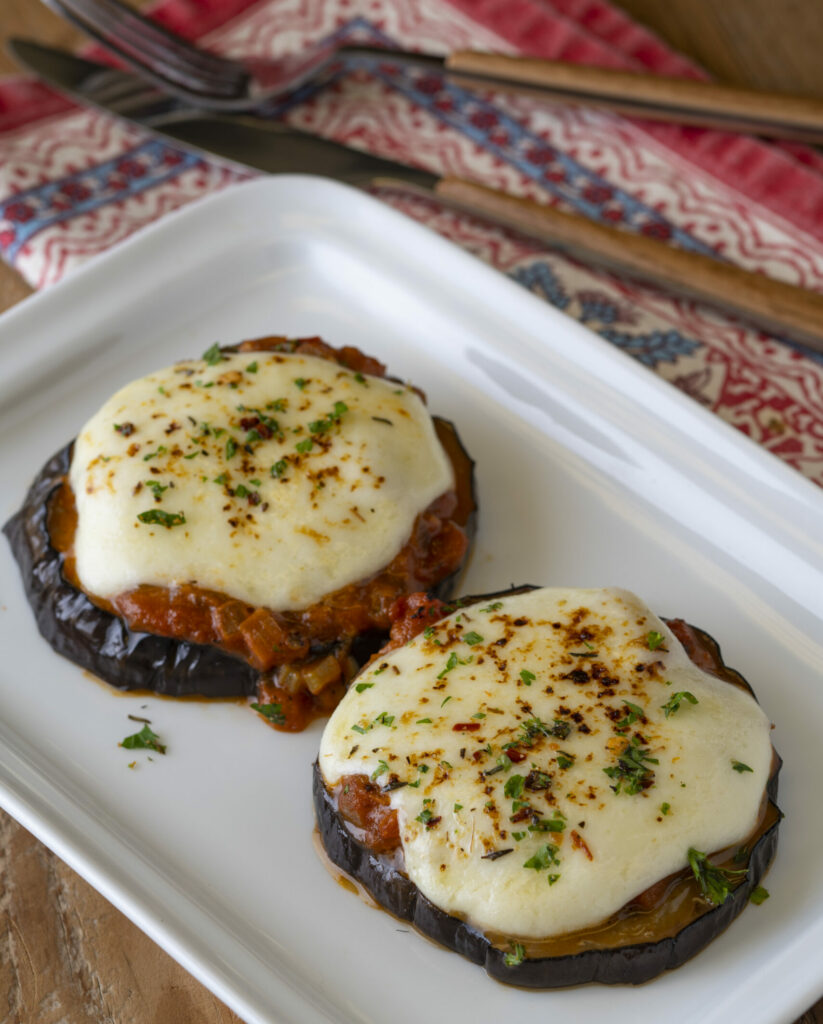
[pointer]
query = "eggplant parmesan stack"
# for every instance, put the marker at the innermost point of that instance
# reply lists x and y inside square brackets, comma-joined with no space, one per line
[555,783]
[243,523]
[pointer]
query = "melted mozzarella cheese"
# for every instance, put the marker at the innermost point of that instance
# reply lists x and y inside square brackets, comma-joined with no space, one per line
[286,477]
[568,678]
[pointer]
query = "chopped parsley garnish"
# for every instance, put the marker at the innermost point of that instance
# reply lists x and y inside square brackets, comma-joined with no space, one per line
[423,768]
[191,455]
[213,355]
[452,663]
[665,808]
[759,895]
[458,807]
[480,715]
[445,701]
[423,721]
[654,639]
[144,740]
[527,677]
[740,767]
[674,703]
[360,687]
[543,859]
[564,760]
[516,956]
[713,881]
[556,824]
[255,482]
[360,729]
[241,491]
[635,713]
[231,447]
[160,518]
[273,712]
[492,607]
[324,425]
[472,638]
[426,816]
[252,367]
[534,727]
[630,773]
[552,879]
[156,487]
[514,786]
[300,382]
[361,379]
[384,718]
[381,769]
[305,445]
[279,468]
[153,455]
[221,479]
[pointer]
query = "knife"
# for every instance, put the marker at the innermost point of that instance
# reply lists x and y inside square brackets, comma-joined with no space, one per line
[779,308]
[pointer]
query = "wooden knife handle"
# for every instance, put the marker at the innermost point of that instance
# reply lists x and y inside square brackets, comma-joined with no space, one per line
[780,309]
[686,100]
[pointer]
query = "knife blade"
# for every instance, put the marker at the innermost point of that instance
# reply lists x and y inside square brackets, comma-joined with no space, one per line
[269,146]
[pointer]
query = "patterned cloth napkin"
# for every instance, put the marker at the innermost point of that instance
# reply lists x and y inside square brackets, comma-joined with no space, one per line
[74,182]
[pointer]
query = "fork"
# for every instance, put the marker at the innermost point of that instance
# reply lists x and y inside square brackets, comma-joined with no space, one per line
[186,71]
[207,80]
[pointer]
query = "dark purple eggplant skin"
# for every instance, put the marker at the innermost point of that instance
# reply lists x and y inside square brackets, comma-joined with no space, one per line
[97,640]
[626,965]
[103,644]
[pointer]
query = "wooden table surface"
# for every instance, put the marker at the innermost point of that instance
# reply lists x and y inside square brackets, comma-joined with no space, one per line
[66,955]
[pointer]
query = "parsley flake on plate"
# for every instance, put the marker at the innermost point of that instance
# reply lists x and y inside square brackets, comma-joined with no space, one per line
[146,739]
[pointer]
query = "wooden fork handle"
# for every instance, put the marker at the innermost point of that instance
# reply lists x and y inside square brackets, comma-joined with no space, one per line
[778,308]
[685,100]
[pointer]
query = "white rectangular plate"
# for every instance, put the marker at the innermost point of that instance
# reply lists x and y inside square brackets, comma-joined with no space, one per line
[591,471]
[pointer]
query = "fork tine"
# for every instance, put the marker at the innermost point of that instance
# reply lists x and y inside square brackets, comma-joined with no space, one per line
[126,24]
[151,47]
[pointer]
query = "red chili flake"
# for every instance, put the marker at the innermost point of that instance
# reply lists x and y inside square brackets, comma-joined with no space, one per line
[466,727]
[515,755]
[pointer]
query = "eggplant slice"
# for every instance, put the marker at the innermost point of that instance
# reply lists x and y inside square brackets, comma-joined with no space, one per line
[103,644]
[384,880]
